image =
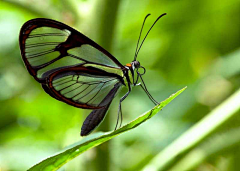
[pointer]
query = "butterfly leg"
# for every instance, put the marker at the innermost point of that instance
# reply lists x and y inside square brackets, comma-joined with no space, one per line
[120,109]
[149,95]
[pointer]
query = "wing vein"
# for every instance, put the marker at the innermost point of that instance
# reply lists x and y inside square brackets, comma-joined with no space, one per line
[46,34]
[63,83]
[72,89]
[40,54]
[88,92]
[96,93]
[81,91]
[41,44]
[76,57]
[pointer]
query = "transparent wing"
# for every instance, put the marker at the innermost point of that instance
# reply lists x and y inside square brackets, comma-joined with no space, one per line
[48,46]
[82,87]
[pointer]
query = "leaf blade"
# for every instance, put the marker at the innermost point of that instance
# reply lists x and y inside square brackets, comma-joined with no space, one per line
[56,161]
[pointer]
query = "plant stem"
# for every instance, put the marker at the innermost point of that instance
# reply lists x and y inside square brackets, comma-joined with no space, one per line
[105,14]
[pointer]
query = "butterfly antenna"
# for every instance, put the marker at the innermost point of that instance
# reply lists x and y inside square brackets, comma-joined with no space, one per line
[135,57]
[148,33]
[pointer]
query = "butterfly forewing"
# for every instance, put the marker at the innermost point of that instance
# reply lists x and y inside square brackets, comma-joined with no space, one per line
[48,45]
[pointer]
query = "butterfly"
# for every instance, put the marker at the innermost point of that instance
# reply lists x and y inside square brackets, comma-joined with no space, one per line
[75,70]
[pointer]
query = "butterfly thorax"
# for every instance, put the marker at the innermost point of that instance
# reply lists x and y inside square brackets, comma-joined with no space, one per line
[129,72]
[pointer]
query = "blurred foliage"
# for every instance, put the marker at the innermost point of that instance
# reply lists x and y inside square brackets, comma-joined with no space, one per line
[196,44]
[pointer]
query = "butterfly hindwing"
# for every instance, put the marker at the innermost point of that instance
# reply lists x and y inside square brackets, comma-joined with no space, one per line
[82,87]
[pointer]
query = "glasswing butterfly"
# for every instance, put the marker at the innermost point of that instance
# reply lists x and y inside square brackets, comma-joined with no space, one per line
[74,69]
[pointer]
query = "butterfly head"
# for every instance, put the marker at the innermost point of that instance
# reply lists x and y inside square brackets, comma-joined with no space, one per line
[136,66]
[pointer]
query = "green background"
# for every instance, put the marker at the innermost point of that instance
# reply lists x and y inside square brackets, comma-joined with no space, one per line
[197,44]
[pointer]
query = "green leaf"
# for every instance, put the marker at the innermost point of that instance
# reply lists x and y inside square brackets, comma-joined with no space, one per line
[55,162]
